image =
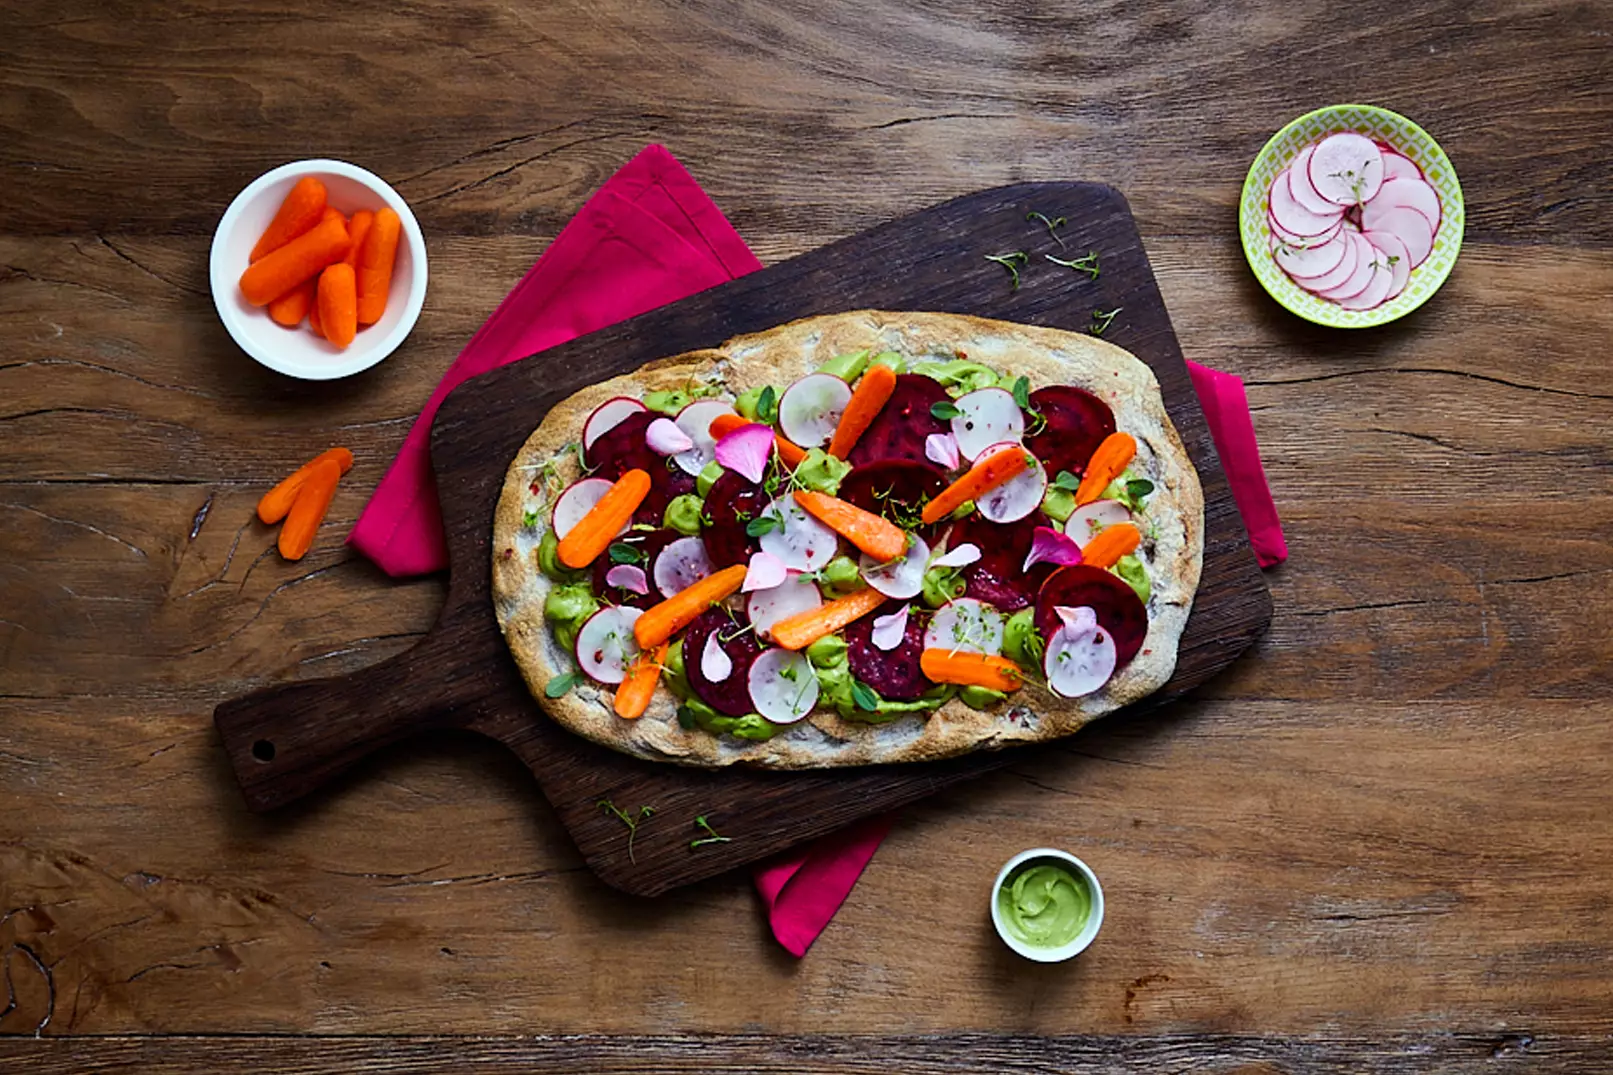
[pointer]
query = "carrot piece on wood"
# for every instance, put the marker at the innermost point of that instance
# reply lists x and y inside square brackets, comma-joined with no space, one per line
[1111,543]
[374,264]
[879,538]
[638,686]
[290,309]
[987,473]
[338,303]
[300,212]
[595,531]
[277,501]
[873,392]
[970,669]
[357,228]
[804,628]
[308,510]
[660,622]
[301,259]
[1106,464]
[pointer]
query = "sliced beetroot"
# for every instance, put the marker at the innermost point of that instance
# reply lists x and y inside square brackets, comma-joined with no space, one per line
[899,430]
[1077,422]
[732,504]
[896,489]
[732,695]
[1113,601]
[648,544]
[999,577]
[894,674]
[622,448]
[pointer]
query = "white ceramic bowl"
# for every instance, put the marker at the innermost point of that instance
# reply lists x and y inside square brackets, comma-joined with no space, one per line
[1094,919]
[297,352]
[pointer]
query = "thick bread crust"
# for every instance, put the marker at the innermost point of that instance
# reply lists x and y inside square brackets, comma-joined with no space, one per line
[1174,554]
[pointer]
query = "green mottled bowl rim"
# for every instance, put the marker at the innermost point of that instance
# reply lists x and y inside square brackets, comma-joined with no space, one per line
[1374,122]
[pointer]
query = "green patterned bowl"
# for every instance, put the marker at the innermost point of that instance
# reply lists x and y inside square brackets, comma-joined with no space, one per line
[1385,126]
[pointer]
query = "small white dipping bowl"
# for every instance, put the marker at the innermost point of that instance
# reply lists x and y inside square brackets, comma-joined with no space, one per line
[1094,919]
[297,352]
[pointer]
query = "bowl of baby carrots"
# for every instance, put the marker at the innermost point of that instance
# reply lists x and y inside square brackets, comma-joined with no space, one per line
[318,269]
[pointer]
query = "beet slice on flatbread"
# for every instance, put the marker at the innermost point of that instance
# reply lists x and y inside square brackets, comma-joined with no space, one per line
[999,577]
[647,543]
[622,448]
[731,504]
[1077,422]
[732,695]
[896,489]
[894,673]
[903,423]
[1113,601]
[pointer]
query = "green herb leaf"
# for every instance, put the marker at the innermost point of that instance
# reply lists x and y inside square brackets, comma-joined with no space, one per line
[764,525]
[622,553]
[1067,481]
[944,410]
[529,519]
[561,685]
[1138,488]
[864,695]
[767,405]
[686,719]
[1022,392]
[712,835]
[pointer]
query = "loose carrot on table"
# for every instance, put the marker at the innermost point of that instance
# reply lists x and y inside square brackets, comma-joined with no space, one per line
[290,309]
[300,212]
[595,531]
[277,501]
[308,510]
[301,259]
[338,303]
[970,669]
[357,228]
[1106,464]
[873,392]
[638,686]
[988,472]
[879,538]
[660,622]
[804,628]
[1111,543]
[374,264]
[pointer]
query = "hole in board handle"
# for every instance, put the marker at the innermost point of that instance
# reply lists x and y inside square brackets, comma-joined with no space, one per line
[263,750]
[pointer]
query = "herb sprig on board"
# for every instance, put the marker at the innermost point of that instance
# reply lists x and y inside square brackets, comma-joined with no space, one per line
[630,820]
[1011,262]
[1088,264]
[1052,225]
[712,835]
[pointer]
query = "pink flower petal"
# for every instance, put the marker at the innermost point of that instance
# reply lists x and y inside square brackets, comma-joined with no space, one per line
[962,556]
[628,577]
[942,448]
[890,630]
[765,572]
[746,450]
[1050,546]
[715,664]
[1077,621]
[665,438]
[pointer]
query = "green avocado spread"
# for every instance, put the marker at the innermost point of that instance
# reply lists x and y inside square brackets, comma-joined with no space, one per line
[847,367]
[829,658]
[839,577]
[1043,904]
[567,608]
[821,471]
[683,514]
[959,376]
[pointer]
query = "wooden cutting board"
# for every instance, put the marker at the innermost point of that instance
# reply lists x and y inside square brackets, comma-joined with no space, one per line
[285,742]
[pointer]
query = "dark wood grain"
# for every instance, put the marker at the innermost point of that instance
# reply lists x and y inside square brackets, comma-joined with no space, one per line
[286,742]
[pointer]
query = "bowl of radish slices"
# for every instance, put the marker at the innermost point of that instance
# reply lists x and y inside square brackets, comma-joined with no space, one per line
[1351,216]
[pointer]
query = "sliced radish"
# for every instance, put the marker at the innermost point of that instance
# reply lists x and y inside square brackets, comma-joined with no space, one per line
[1299,184]
[1399,166]
[1410,193]
[629,577]
[1078,663]
[1399,259]
[1411,228]
[1282,235]
[607,416]
[889,630]
[663,437]
[804,544]
[783,686]
[1018,496]
[1295,218]
[1377,289]
[1304,263]
[1359,279]
[942,449]
[578,500]
[1341,273]
[715,664]
[901,578]
[810,408]
[680,565]
[962,556]
[1346,169]
[986,417]
[966,626]
[605,644]
[797,593]
[695,421]
[1083,525]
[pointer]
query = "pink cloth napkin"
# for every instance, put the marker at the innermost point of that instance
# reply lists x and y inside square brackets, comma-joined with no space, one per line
[651,236]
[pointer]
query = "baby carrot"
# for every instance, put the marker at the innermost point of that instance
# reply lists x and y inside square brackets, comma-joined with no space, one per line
[724,424]
[1111,543]
[357,228]
[374,264]
[879,538]
[789,453]
[988,472]
[661,622]
[300,212]
[277,501]
[301,259]
[969,669]
[873,392]
[289,309]
[338,303]
[313,316]
[804,628]
[638,687]
[308,511]
[1106,464]
[595,531]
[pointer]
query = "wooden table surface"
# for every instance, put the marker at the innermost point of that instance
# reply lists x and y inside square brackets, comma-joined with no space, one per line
[1380,844]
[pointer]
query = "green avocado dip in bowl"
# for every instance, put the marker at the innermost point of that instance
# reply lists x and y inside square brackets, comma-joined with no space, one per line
[1047,905]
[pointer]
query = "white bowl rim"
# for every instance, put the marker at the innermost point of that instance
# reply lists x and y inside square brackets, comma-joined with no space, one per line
[1088,932]
[220,279]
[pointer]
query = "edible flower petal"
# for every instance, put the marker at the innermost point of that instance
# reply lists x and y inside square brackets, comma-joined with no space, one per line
[942,448]
[715,664]
[628,577]
[765,572]
[665,438]
[1051,547]
[746,450]
[962,556]
[1077,621]
[890,630]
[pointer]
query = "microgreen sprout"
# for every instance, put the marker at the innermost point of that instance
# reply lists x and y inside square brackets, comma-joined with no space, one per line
[1088,264]
[712,835]
[1052,226]
[1012,263]
[630,820]
[1102,319]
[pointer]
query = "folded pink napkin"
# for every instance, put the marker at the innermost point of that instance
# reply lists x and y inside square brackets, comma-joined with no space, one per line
[651,236]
